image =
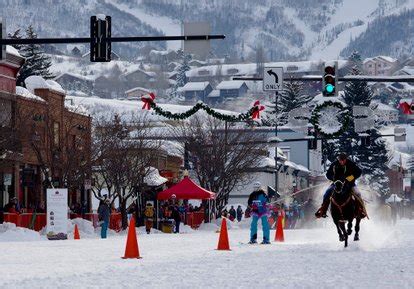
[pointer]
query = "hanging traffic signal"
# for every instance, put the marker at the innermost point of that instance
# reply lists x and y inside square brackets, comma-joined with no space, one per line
[2,35]
[312,139]
[100,38]
[365,139]
[329,80]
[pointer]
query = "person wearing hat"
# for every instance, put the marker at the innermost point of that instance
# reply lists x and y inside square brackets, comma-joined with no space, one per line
[149,216]
[12,206]
[104,212]
[258,205]
[346,171]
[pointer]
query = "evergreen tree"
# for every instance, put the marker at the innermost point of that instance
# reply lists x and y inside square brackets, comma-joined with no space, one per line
[372,158]
[15,35]
[291,98]
[181,79]
[37,63]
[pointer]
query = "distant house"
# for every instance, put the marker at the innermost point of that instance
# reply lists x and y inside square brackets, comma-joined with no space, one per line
[73,81]
[139,77]
[406,70]
[136,93]
[163,56]
[214,97]
[380,65]
[232,88]
[196,90]
[196,63]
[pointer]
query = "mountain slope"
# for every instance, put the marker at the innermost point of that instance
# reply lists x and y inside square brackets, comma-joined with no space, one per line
[287,30]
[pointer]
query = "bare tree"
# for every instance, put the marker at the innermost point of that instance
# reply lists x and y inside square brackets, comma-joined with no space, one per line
[221,160]
[122,156]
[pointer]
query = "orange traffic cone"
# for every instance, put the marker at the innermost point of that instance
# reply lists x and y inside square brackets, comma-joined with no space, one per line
[223,243]
[279,237]
[131,249]
[76,235]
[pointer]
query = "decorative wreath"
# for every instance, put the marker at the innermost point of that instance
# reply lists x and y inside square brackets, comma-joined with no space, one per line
[252,113]
[342,117]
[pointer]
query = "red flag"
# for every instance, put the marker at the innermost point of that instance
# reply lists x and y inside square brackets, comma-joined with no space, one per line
[407,108]
[148,99]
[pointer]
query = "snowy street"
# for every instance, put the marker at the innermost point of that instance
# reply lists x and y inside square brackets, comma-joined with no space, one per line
[307,259]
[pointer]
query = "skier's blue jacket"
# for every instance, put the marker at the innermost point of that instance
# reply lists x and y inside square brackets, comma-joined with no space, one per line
[258,203]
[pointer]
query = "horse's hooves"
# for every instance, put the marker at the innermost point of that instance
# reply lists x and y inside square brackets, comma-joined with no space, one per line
[341,239]
[356,238]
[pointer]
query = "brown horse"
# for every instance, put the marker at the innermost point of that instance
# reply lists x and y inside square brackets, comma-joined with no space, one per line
[344,208]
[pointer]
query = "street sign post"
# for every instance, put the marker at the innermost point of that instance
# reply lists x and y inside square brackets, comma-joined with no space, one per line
[273,79]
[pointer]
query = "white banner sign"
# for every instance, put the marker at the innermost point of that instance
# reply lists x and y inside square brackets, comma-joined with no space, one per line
[57,214]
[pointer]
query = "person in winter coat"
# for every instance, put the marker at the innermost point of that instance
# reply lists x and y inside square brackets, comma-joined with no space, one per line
[232,213]
[104,212]
[239,213]
[346,171]
[175,215]
[149,217]
[258,201]
[12,206]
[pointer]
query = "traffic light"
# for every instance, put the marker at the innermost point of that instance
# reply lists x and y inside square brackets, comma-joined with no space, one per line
[100,30]
[312,139]
[329,80]
[365,139]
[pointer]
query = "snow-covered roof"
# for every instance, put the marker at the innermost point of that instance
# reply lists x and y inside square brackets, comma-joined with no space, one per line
[214,93]
[149,73]
[251,68]
[138,88]
[230,84]
[383,107]
[406,70]
[11,50]
[380,57]
[79,76]
[194,86]
[34,82]
[153,178]
[27,94]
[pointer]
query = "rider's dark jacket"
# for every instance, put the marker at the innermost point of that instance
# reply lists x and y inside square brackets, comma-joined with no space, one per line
[338,172]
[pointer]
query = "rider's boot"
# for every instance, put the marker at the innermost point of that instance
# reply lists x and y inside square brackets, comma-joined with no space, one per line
[323,209]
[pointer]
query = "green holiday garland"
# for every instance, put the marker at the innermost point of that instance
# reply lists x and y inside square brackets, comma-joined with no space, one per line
[342,116]
[200,105]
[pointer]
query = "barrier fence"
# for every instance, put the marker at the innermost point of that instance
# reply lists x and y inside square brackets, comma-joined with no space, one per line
[38,221]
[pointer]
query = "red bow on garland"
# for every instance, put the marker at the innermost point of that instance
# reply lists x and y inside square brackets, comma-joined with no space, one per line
[148,99]
[407,108]
[257,109]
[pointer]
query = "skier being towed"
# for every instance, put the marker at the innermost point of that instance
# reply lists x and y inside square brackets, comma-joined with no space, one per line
[258,205]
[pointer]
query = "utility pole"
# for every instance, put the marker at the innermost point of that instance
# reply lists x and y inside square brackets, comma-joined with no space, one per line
[276,167]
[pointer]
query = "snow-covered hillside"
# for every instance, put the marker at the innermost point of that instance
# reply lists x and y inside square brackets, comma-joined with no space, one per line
[286,29]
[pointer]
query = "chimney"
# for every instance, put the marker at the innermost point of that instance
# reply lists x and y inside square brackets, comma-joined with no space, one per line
[9,69]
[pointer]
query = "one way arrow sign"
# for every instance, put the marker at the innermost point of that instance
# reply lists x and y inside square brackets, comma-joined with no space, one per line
[272,78]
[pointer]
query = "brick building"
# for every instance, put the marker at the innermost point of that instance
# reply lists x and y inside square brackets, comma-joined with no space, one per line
[46,143]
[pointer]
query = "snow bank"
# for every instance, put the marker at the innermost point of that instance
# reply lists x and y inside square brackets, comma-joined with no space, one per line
[13,51]
[10,233]
[35,82]
[27,94]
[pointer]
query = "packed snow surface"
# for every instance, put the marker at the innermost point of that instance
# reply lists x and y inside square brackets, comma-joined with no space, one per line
[309,258]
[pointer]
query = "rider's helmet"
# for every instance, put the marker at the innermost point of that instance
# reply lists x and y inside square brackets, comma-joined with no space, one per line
[342,156]
[257,186]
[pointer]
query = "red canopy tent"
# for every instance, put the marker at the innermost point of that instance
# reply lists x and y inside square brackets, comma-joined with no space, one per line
[186,190]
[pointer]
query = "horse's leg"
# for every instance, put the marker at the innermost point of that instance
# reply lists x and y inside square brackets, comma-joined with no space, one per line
[342,226]
[349,231]
[356,236]
[341,237]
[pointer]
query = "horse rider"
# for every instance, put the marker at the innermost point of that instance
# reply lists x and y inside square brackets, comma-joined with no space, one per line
[346,171]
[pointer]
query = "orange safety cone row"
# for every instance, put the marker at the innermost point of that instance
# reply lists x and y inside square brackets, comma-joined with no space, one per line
[76,235]
[223,243]
[279,236]
[131,249]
